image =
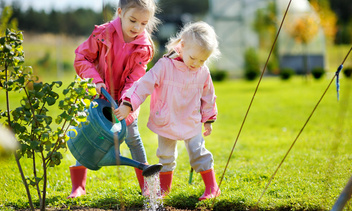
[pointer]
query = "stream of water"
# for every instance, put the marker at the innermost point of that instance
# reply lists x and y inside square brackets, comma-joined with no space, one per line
[153,200]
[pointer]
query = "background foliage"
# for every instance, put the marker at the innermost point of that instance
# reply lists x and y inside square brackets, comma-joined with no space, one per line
[81,21]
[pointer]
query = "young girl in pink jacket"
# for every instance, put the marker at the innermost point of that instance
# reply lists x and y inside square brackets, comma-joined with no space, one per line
[116,55]
[182,99]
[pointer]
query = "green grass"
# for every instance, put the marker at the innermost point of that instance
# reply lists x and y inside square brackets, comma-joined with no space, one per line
[311,178]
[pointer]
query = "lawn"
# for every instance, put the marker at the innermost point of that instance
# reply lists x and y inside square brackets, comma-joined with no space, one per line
[311,177]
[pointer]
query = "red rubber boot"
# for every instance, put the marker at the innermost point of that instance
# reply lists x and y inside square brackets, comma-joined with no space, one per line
[211,187]
[165,182]
[78,179]
[141,181]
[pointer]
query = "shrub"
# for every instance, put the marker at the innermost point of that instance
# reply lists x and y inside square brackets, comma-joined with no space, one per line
[39,141]
[252,68]
[318,72]
[347,72]
[219,75]
[286,73]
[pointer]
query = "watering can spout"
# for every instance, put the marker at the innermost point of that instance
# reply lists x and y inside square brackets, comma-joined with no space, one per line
[110,159]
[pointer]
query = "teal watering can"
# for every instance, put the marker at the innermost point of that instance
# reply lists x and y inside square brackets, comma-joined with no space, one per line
[92,142]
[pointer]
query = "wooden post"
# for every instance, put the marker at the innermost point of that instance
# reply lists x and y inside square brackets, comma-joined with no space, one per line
[344,197]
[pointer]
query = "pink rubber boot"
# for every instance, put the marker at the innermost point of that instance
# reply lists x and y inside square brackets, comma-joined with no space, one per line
[141,181]
[78,179]
[211,187]
[165,182]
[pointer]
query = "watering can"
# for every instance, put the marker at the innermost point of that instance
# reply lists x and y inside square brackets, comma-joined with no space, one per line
[92,142]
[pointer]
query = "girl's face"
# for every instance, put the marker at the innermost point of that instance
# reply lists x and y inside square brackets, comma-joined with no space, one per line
[193,56]
[133,22]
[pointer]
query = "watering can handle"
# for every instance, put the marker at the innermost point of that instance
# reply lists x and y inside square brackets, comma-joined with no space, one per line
[108,96]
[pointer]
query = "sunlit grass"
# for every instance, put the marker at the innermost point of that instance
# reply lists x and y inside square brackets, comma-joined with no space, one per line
[311,178]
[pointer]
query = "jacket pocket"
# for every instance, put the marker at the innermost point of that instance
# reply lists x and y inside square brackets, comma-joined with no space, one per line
[160,114]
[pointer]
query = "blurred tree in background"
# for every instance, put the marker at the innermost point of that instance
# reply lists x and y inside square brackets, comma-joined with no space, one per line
[265,25]
[81,21]
[343,10]
[176,7]
[71,22]
[328,19]
[303,30]
[7,21]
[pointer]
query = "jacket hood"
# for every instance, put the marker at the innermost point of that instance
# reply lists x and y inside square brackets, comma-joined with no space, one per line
[141,39]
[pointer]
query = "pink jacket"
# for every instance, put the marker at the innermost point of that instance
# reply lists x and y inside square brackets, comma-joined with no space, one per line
[181,100]
[106,58]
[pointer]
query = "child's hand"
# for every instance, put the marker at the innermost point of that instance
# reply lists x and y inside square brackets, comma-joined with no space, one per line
[122,112]
[208,128]
[98,87]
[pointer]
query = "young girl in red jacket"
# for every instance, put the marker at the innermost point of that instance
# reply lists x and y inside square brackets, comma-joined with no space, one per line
[182,99]
[116,55]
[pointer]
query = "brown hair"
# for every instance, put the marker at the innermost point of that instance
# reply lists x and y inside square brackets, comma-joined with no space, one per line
[148,5]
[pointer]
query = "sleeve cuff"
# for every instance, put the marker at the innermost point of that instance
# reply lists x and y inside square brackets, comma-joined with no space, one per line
[126,103]
[210,121]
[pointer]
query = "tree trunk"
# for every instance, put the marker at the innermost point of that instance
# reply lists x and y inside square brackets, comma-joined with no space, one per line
[42,202]
[17,159]
[24,182]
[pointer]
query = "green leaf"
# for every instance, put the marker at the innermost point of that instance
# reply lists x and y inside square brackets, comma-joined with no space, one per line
[58,120]
[80,91]
[38,131]
[19,59]
[37,86]
[81,116]
[2,40]
[65,91]
[48,145]
[34,144]
[65,116]
[58,83]
[50,100]
[20,80]
[39,95]
[12,37]
[61,104]
[7,48]
[36,105]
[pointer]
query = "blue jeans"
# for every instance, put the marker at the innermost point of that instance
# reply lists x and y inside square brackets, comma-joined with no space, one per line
[134,143]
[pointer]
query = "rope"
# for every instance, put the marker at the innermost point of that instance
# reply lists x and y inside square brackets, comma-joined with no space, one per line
[347,55]
[337,74]
[250,105]
[272,177]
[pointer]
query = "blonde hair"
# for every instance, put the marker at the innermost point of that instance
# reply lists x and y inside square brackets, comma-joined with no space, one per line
[199,33]
[148,5]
